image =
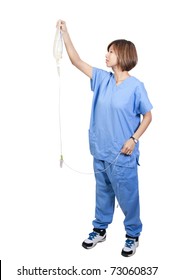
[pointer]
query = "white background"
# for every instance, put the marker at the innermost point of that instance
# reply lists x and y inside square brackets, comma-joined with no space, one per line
[45,211]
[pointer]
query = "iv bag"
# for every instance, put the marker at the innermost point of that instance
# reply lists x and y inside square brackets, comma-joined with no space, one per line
[58,45]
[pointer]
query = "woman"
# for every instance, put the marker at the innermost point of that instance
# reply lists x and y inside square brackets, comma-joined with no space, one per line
[119,101]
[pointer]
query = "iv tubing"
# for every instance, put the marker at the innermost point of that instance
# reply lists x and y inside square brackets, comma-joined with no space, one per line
[57,52]
[60,129]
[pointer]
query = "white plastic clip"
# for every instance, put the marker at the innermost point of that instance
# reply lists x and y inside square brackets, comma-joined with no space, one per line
[61,161]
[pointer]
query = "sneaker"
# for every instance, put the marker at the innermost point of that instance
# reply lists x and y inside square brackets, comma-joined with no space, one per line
[130,246]
[98,235]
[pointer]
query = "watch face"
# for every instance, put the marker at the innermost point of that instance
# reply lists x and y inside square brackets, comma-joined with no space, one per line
[135,140]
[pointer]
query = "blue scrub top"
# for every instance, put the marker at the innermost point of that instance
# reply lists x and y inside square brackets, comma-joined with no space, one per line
[115,115]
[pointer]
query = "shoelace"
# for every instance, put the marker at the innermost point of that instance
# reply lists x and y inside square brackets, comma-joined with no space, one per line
[92,235]
[129,243]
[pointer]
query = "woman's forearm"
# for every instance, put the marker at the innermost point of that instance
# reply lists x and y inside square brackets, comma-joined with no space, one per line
[147,118]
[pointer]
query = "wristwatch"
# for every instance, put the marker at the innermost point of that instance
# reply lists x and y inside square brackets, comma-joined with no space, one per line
[134,139]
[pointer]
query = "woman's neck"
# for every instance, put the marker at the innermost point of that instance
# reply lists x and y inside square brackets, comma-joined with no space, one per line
[120,76]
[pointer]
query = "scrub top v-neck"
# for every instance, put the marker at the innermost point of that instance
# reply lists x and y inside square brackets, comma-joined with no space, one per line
[115,113]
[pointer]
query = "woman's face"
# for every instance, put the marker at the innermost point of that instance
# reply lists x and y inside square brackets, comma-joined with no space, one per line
[111,58]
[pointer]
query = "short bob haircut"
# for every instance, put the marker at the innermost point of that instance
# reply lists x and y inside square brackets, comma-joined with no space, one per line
[126,53]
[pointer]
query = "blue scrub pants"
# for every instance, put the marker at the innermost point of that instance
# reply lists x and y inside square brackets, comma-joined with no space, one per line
[121,183]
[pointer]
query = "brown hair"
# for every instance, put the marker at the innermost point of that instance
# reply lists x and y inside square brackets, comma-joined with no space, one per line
[126,53]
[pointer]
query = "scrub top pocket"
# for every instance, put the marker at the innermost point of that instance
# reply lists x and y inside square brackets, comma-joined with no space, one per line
[126,160]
